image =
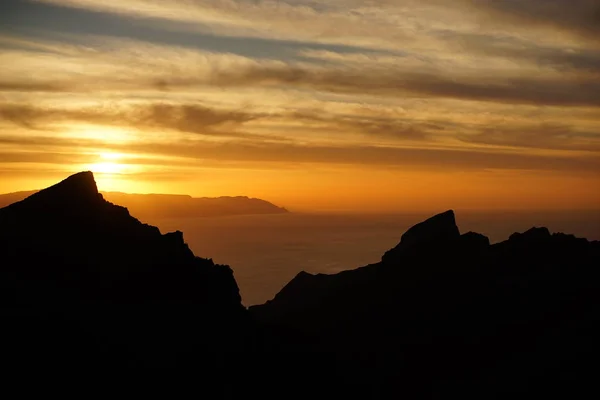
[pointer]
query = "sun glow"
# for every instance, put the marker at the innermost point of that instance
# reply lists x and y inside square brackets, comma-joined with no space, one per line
[107,168]
[99,133]
[110,171]
[108,164]
[111,156]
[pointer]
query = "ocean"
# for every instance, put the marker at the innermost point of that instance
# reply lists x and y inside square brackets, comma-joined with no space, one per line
[267,251]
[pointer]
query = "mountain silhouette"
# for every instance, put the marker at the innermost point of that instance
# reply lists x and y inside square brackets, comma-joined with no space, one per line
[452,313]
[86,286]
[73,262]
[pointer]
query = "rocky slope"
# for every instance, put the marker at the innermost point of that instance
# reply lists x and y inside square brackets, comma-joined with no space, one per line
[83,268]
[84,286]
[450,312]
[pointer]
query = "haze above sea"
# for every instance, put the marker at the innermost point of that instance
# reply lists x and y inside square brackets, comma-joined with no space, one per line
[267,251]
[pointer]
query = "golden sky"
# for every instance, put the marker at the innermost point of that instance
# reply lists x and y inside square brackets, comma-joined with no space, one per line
[341,105]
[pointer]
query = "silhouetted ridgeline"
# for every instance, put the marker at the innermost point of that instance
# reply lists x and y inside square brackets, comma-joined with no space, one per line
[79,272]
[449,312]
[84,285]
[154,206]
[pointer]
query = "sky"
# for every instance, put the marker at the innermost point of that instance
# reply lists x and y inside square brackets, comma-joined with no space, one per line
[388,105]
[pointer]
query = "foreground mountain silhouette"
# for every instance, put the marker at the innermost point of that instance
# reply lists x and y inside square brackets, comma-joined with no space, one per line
[84,285]
[452,309]
[156,206]
[80,271]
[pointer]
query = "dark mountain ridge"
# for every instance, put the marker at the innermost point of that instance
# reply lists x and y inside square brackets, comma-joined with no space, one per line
[450,311]
[84,285]
[71,257]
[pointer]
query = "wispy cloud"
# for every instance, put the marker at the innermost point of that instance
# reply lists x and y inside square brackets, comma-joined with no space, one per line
[581,17]
[273,155]
[181,117]
[540,136]
[113,65]
[399,84]
[378,124]
[379,23]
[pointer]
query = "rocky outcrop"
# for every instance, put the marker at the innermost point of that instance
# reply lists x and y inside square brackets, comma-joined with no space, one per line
[533,235]
[72,261]
[475,240]
[439,229]
[445,313]
[86,286]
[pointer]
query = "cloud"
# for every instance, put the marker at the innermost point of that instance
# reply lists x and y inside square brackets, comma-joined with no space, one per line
[32,87]
[382,24]
[189,118]
[539,136]
[210,121]
[481,46]
[241,154]
[324,22]
[181,117]
[580,17]
[358,125]
[564,91]
[125,66]
[373,124]
[88,157]
[490,78]
[45,157]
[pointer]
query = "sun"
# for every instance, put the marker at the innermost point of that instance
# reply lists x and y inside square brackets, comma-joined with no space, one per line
[107,168]
[110,171]
[109,164]
[114,171]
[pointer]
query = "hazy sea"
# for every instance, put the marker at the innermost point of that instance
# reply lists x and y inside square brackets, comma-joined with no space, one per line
[267,251]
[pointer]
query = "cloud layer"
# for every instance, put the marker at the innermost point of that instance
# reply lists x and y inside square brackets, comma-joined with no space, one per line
[425,85]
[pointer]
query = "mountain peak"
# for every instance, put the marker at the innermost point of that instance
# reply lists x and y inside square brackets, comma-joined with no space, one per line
[81,181]
[81,184]
[439,228]
[534,234]
[75,192]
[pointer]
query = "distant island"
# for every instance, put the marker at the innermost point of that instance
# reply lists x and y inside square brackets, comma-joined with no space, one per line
[174,206]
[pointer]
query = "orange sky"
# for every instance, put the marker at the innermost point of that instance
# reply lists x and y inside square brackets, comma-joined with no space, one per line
[338,105]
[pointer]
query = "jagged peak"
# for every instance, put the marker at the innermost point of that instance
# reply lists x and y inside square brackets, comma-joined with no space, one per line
[81,180]
[303,275]
[439,228]
[533,234]
[81,184]
[76,191]
[475,240]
